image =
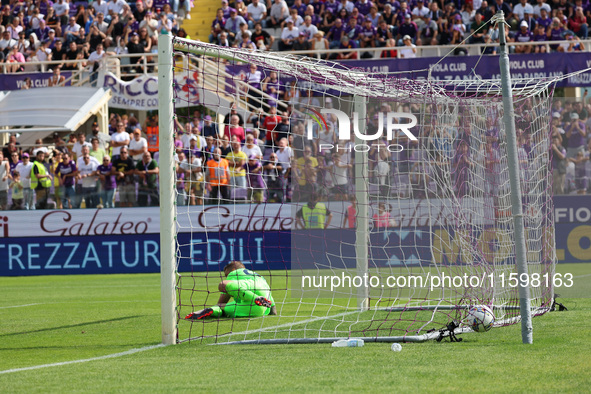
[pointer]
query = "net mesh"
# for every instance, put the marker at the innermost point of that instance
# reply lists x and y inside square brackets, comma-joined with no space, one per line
[434,234]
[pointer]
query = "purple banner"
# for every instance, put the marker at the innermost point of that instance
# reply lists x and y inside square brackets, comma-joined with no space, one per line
[38,80]
[534,66]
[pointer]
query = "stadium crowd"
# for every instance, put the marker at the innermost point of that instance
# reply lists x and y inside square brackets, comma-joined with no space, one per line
[40,30]
[274,161]
[398,26]
[43,30]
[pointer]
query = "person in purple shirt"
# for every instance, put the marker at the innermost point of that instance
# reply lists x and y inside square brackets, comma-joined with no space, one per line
[540,36]
[331,6]
[408,28]
[299,7]
[217,26]
[368,35]
[67,171]
[335,33]
[576,133]
[363,6]
[256,185]
[227,9]
[523,35]
[346,43]
[554,32]
[544,20]
[353,30]
[108,184]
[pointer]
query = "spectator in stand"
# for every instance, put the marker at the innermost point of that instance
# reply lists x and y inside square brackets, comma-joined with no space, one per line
[106,177]
[302,45]
[298,7]
[576,133]
[14,28]
[261,35]
[96,151]
[458,30]
[72,54]
[257,13]
[13,58]
[7,42]
[540,36]
[559,163]
[186,4]
[521,9]
[226,10]
[67,171]
[88,179]
[217,178]
[210,129]
[319,43]
[367,36]
[234,129]
[233,25]
[297,19]
[278,13]
[256,184]
[77,148]
[478,29]
[347,43]
[17,191]
[151,26]
[352,31]
[308,28]
[580,161]
[524,35]
[390,51]
[574,43]
[5,178]
[408,28]
[409,50]
[124,170]
[59,52]
[119,140]
[335,34]
[72,31]
[137,146]
[44,53]
[273,176]
[420,14]
[541,5]
[544,20]
[555,32]
[147,170]
[24,168]
[288,36]
[250,148]
[578,23]
[236,160]
[224,145]
[103,138]
[382,218]
[427,34]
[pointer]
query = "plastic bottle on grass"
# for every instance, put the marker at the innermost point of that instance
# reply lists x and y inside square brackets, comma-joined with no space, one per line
[351,342]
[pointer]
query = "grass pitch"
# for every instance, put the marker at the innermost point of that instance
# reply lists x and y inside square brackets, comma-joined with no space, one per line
[46,320]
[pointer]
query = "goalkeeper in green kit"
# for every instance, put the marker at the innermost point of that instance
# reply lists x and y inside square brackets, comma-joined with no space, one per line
[251,293]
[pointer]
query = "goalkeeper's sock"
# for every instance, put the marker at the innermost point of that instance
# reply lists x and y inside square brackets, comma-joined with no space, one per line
[217,311]
[233,289]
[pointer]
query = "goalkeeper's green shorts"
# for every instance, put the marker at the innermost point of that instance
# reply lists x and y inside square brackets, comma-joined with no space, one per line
[234,309]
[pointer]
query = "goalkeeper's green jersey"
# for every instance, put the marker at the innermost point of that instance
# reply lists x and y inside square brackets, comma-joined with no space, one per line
[250,280]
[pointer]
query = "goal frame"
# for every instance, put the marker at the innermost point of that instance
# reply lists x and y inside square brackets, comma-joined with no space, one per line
[168,209]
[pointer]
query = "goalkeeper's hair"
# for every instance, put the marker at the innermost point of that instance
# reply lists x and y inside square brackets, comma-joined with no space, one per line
[233,266]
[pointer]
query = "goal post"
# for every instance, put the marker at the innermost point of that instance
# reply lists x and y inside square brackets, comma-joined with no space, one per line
[415,175]
[167,178]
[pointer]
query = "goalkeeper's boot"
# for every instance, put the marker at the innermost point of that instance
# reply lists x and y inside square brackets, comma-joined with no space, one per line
[199,315]
[262,301]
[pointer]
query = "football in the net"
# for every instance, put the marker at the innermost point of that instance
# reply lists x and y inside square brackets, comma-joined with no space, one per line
[480,318]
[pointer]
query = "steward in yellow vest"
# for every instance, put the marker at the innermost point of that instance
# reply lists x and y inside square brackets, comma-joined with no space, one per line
[40,180]
[314,215]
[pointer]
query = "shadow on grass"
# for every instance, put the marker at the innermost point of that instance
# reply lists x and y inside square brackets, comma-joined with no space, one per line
[72,325]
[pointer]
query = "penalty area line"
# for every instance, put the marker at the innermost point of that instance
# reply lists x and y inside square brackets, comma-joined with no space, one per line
[18,306]
[114,355]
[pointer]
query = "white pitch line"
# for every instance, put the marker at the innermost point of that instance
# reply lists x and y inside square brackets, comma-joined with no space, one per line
[126,353]
[18,306]
[292,324]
